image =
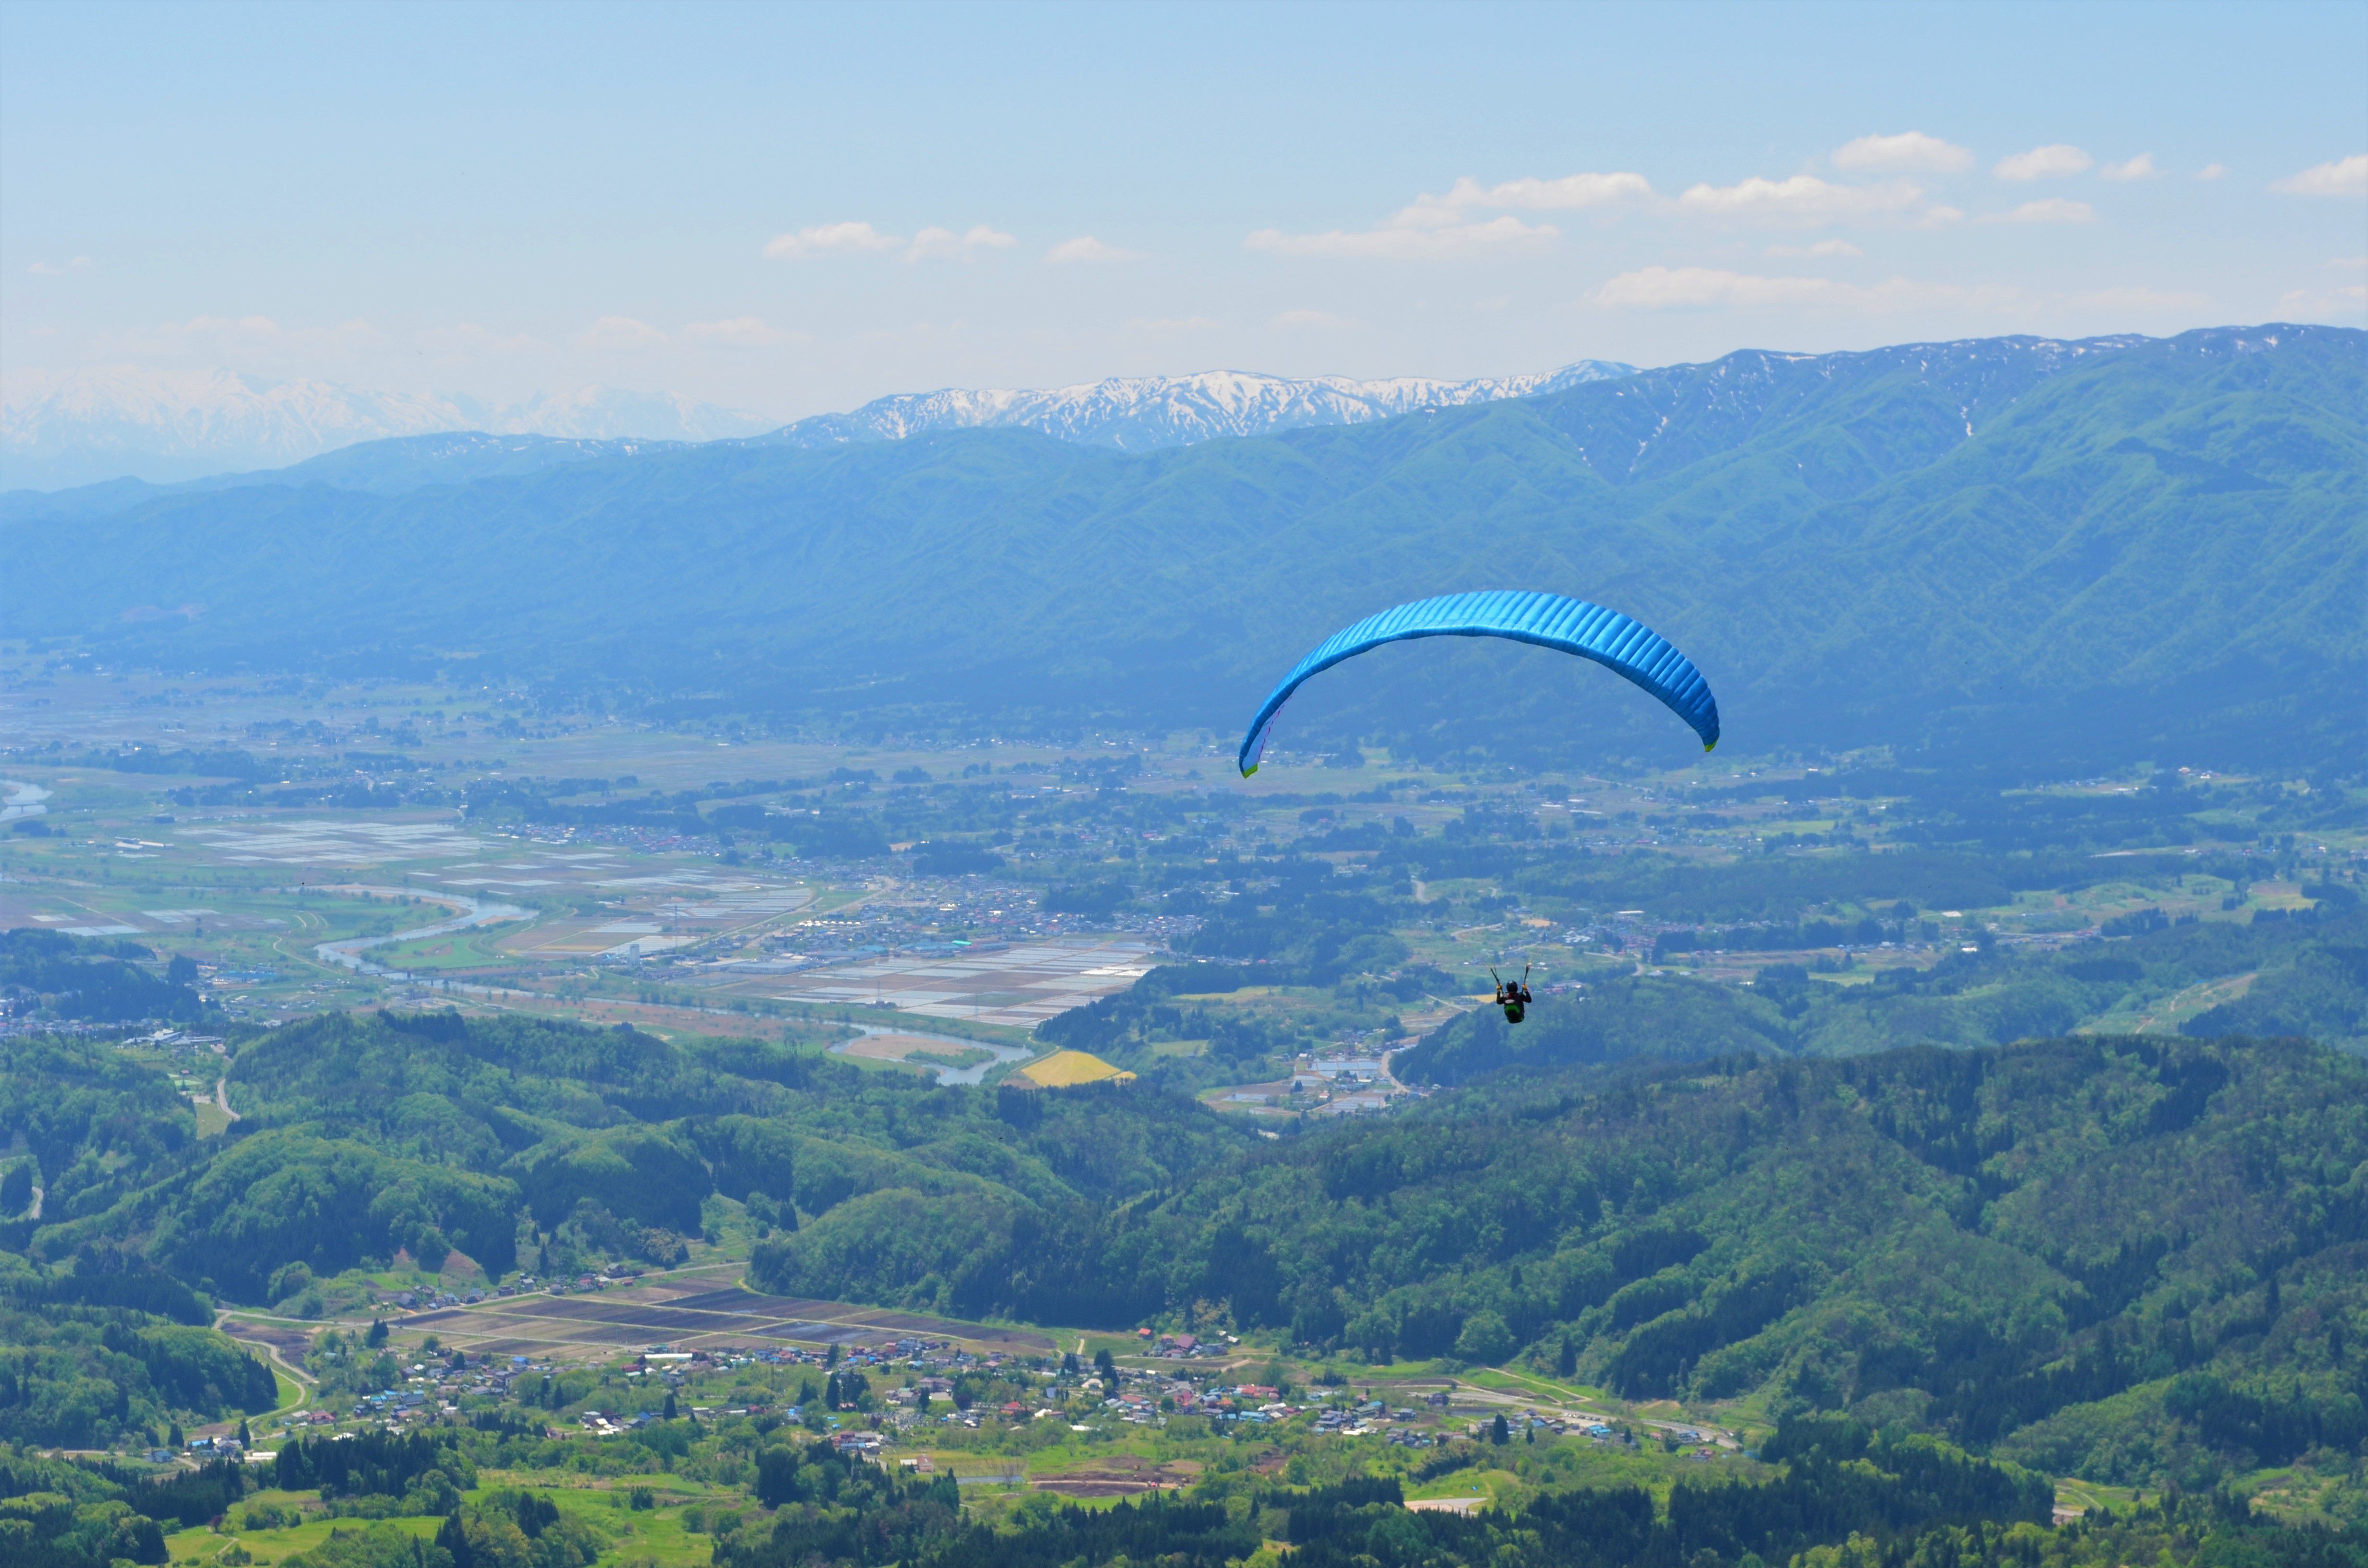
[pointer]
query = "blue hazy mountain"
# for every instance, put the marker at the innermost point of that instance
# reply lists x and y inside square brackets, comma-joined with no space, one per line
[391,467]
[165,427]
[169,426]
[2074,552]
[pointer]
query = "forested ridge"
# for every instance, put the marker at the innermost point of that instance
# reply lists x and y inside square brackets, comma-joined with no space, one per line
[2092,529]
[2116,1254]
[373,1133]
[2127,1258]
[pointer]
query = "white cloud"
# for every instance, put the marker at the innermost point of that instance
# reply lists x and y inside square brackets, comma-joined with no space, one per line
[2344,177]
[2348,300]
[2212,171]
[933,243]
[828,238]
[51,269]
[741,332]
[1324,319]
[467,340]
[2139,298]
[1570,193]
[1408,242]
[244,326]
[1941,217]
[619,331]
[260,330]
[2140,167]
[1661,287]
[1802,199]
[1910,151]
[2044,163]
[944,243]
[1086,249]
[1435,228]
[1664,288]
[1823,247]
[2055,210]
[2352,263]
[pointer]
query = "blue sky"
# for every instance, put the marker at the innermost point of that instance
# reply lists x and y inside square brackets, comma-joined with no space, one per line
[792,210]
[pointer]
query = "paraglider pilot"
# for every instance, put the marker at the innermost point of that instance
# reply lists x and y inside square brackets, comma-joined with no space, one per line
[1515,997]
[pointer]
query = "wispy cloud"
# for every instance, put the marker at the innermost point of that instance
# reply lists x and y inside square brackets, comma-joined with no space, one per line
[741,332]
[1702,288]
[2344,177]
[1681,288]
[1444,227]
[1438,227]
[2140,298]
[944,243]
[1320,319]
[931,244]
[1410,242]
[2349,299]
[1802,199]
[356,333]
[2054,161]
[1662,288]
[620,332]
[1910,151]
[1086,249]
[2055,210]
[1571,193]
[828,239]
[2140,167]
[55,269]
[2212,171]
[1823,247]
[467,340]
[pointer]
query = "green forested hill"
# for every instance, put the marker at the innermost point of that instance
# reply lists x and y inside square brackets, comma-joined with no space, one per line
[363,1135]
[2133,1259]
[2062,552]
[2123,1257]
[2313,982]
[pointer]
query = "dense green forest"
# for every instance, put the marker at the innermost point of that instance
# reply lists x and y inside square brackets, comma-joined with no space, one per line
[91,980]
[2124,1258]
[2312,980]
[2130,1258]
[378,1134]
[1798,523]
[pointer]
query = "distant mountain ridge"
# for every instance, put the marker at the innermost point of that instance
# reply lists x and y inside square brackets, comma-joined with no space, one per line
[1138,414]
[169,426]
[163,427]
[2071,553]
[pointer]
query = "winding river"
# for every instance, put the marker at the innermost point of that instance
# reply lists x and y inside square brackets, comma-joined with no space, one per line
[972,1075]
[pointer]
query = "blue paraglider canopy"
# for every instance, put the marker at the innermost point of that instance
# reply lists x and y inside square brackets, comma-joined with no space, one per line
[1571,625]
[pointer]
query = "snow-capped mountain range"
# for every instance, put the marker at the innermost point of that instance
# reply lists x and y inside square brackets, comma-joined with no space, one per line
[1139,412]
[169,426]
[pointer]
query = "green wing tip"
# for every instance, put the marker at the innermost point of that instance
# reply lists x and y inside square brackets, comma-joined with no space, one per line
[1253,768]
[1709,745]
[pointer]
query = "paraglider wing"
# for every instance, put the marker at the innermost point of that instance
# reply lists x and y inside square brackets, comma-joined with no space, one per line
[1571,625]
